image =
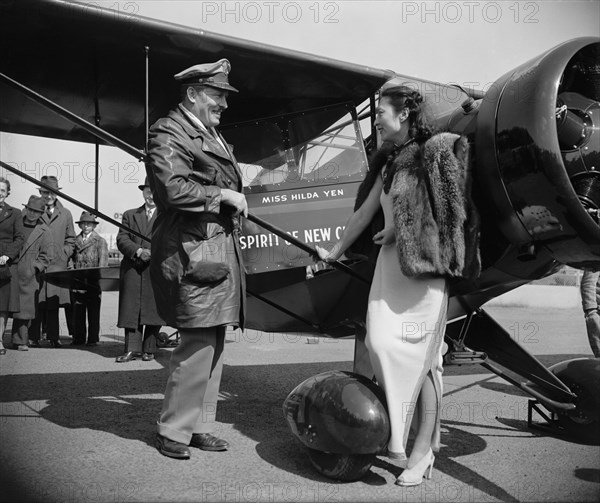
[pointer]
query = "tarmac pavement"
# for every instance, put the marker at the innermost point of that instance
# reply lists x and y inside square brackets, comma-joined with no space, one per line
[75,426]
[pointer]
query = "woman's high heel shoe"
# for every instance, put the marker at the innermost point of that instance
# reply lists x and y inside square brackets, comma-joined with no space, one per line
[414,476]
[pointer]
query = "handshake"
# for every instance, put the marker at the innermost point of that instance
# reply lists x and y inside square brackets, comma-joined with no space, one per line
[144,255]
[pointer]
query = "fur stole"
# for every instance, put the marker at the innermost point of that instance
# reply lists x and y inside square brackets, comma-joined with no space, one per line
[435,220]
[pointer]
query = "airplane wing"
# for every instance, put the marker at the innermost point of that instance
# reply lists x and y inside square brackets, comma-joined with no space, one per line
[92,61]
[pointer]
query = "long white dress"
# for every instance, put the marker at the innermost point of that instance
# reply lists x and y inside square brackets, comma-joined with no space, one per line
[406,320]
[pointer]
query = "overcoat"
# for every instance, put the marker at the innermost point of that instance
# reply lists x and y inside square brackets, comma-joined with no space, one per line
[196,266]
[93,252]
[34,258]
[11,240]
[137,305]
[63,238]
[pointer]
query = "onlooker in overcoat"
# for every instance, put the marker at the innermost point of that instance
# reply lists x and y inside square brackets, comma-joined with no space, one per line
[137,308]
[91,250]
[52,297]
[11,240]
[33,259]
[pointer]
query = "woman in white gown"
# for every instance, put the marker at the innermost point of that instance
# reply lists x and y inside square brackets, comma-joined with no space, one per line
[408,300]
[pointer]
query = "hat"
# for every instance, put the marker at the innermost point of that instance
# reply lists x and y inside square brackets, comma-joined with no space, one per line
[51,182]
[36,203]
[146,184]
[208,74]
[86,216]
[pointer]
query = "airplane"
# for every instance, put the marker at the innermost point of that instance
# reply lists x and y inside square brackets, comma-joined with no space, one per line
[302,135]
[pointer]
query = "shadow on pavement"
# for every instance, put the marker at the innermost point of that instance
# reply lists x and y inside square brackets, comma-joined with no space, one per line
[126,403]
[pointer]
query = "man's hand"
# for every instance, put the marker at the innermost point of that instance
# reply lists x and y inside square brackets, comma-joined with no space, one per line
[235,199]
[145,255]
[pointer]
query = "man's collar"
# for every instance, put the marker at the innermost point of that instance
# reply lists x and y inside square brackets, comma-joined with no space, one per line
[210,130]
[194,119]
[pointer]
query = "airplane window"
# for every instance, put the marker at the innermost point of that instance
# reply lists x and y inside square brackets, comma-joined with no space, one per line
[316,147]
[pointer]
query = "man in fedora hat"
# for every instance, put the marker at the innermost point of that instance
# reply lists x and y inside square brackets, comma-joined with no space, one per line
[34,257]
[138,314]
[52,297]
[196,265]
[91,250]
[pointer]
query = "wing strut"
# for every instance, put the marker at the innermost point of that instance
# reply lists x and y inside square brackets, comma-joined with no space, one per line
[146,98]
[64,113]
[72,200]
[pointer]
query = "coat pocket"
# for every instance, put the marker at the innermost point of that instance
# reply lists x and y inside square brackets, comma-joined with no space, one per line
[205,255]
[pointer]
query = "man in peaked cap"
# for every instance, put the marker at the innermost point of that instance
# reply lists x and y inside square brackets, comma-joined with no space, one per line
[196,266]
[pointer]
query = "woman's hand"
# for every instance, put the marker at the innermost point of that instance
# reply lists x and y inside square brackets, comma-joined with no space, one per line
[385,237]
[326,255]
[3,259]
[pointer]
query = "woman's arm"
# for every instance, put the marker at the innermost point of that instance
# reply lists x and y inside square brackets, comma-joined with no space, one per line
[356,224]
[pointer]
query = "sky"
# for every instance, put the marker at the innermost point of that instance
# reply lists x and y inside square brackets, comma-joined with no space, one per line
[471,43]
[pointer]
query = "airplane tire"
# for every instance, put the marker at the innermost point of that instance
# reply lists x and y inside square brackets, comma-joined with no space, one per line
[344,467]
[582,376]
[585,430]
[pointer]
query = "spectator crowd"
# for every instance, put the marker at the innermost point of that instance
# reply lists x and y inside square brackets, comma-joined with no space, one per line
[41,238]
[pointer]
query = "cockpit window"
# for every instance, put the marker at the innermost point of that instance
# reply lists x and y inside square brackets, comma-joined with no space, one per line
[315,147]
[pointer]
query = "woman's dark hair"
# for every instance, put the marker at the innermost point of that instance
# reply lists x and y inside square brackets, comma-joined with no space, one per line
[400,97]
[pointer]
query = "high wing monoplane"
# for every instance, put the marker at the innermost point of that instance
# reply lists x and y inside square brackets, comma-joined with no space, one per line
[302,129]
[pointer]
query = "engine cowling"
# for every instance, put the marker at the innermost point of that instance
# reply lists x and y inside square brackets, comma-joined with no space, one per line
[537,145]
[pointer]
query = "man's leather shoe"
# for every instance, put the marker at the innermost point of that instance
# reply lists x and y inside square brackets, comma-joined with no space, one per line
[34,344]
[146,357]
[172,449]
[127,357]
[208,442]
[55,344]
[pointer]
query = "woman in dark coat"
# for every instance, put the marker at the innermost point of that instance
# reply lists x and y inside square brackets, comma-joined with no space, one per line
[34,258]
[11,240]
